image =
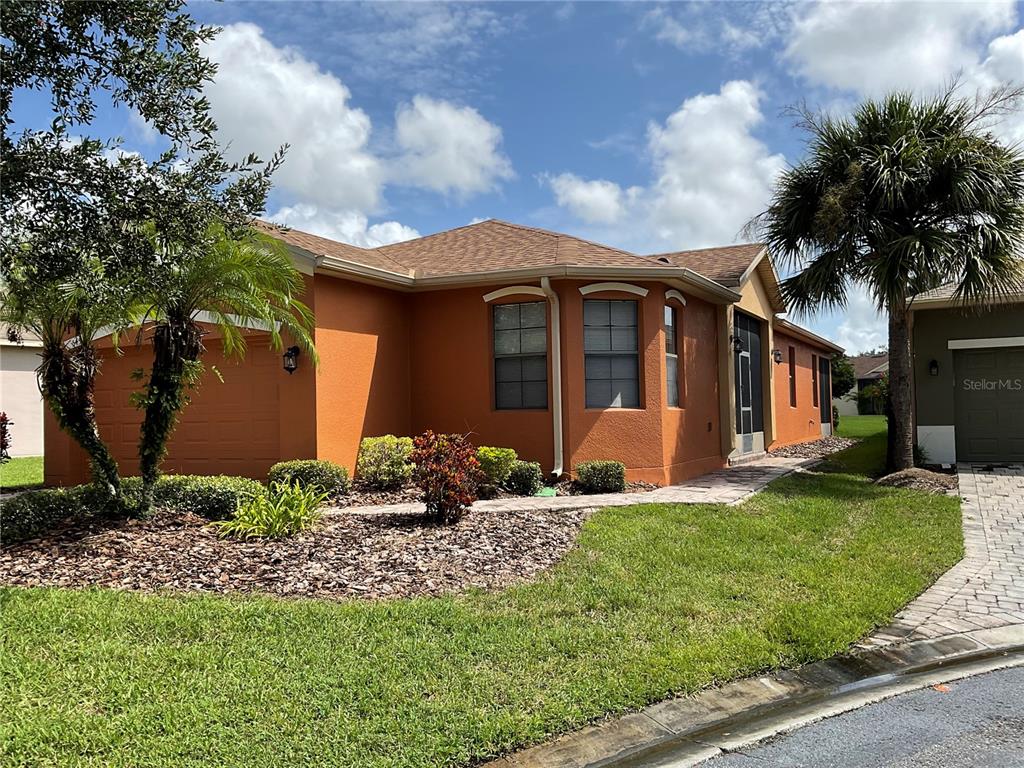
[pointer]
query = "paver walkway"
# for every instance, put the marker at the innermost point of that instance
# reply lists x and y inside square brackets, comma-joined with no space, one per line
[726,486]
[986,588]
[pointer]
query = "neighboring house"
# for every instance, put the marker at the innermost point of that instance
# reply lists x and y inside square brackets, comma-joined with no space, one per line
[19,392]
[867,370]
[968,379]
[563,349]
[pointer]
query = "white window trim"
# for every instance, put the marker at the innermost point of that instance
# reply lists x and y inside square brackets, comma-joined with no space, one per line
[674,294]
[636,290]
[1002,341]
[514,290]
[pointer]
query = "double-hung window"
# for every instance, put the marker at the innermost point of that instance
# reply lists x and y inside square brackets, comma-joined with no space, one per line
[521,355]
[611,357]
[672,356]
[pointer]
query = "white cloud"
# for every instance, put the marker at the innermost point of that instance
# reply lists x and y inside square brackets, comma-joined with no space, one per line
[858,328]
[869,48]
[668,29]
[711,175]
[347,226]
[264,96]
[596,202]
[448,148]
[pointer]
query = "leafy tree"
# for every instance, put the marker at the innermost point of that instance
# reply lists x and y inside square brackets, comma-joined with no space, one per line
[843,377]
[901,197]
[235,283]
[78,216]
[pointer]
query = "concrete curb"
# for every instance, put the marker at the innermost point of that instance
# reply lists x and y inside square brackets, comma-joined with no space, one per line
[685,731]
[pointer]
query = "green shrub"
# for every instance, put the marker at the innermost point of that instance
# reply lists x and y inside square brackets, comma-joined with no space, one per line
[214,497]
[33,513]
[384,462]
[447,472]
[601,476]
[835,420]
[524,478]
[495,463]
[325,476]
[286,509]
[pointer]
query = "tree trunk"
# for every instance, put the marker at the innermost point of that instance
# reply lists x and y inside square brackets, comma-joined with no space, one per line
[177,346]
[67,379]
[899,408]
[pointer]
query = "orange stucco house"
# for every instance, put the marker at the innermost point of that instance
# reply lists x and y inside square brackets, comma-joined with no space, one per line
[563,349]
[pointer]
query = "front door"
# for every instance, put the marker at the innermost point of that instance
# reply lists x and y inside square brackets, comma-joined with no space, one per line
[749,389]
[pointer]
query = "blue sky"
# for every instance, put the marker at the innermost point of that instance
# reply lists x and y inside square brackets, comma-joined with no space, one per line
[650,127]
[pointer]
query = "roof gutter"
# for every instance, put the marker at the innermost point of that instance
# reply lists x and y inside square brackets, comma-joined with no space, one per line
[792,328]
[556,377]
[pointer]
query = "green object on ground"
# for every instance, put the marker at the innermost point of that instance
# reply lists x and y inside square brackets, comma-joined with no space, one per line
[546,491]
[654,600]
[21,472]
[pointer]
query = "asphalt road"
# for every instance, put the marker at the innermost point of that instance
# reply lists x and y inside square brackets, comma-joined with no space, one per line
[978,721]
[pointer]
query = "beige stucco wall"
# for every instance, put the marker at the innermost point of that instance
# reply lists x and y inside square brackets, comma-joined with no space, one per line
[20,398]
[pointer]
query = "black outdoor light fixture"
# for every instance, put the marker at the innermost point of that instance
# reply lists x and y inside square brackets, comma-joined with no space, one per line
[737,344]
[291,359]
[933,368]
[777,355]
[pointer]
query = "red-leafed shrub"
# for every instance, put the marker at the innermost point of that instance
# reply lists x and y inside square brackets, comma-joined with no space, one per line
[448,473]
[5,437]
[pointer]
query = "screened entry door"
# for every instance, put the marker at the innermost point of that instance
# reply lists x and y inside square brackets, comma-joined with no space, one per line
[749,394]
[824,394]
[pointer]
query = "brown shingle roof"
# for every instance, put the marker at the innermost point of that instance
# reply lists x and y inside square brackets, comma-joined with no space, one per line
[494,245]
[321,246]
[724,265]
[863,365]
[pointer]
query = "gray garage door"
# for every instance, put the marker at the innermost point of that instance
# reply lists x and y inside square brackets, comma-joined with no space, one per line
[989,404]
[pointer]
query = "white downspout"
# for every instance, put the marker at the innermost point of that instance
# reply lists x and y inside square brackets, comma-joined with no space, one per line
[556,374]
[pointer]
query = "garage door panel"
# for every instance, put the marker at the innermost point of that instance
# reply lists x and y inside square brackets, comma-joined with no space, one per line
[989,404]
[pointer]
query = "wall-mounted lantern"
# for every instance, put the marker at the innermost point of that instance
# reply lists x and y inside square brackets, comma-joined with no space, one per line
[777,355]
[291,359]
[933,368]
[737,344]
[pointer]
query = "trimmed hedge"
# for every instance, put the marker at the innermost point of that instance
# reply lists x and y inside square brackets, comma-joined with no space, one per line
[524,478]
[324,476]
[33,513]
[384,462]
[496,463]
[601,476]
[215,497]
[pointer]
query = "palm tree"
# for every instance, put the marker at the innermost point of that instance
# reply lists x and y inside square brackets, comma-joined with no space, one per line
[234,283]
[69,319]
[901,197]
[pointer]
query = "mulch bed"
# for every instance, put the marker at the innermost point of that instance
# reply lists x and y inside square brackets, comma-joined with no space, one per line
[815,449]
[346,555]
[921,480]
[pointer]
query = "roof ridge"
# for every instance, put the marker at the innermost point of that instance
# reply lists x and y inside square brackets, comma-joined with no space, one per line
[707,248]
[552,233]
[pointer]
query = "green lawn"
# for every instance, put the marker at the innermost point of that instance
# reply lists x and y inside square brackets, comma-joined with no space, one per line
[868,456]
[655,600]
[22,471]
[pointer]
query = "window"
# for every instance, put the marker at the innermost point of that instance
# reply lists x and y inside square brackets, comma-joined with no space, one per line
[792,377]
[814,380]
[671,356]
[521,355]
[611,362]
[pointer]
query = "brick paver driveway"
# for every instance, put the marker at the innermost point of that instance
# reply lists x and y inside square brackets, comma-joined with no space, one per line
[986,588]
